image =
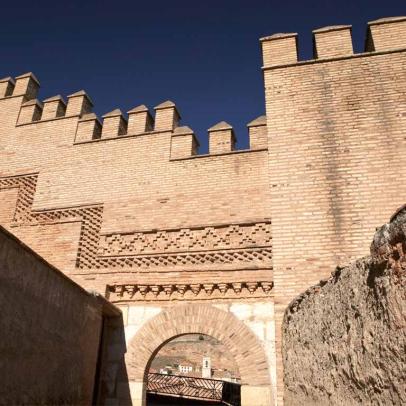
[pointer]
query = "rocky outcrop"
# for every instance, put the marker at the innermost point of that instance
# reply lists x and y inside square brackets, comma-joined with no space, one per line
[344,340]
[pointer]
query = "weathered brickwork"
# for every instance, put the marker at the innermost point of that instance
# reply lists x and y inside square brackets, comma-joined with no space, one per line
[126,207]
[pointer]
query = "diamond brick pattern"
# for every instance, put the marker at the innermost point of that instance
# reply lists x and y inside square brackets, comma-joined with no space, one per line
[203,239]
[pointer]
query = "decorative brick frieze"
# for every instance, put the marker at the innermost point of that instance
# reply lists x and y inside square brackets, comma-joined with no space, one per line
[221,244]
[220,237]
[89,216]
[185,258]
[188,291]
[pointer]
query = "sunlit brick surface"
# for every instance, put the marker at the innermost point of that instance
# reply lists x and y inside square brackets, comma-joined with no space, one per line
[128,209]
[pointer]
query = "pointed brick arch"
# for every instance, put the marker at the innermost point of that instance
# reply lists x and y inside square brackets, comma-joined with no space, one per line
[241,342]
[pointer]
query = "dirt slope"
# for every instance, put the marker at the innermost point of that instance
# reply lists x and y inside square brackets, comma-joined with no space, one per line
[345,338]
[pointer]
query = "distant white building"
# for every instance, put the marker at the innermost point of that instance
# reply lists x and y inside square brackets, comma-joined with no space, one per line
[166,370]
[206,368]
[184,369]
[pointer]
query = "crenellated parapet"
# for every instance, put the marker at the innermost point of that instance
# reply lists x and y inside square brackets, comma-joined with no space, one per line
[30,111]
[33,110]
[89,128]
[116,125]
[167,116]
[333,41]
[257,133]
[53,107]
[183,143]
[221,138]
[25,85]
[6,86]
[140,120]
[78,103]
[386,34]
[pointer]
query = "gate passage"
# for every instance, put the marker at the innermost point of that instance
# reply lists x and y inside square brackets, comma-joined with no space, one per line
[227,393]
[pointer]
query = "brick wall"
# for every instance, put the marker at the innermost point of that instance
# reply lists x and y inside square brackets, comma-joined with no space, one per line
[337,147]
[141,182]
[128,209]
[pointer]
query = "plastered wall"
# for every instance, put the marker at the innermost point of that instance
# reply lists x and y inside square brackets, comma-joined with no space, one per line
[50,330]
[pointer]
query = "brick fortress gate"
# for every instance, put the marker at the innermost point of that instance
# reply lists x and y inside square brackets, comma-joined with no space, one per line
[183,243]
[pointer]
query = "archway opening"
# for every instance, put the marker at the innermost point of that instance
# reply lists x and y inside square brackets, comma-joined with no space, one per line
[178,320]
[193,369]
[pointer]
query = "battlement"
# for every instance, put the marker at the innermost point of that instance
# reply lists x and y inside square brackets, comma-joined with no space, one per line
[26,85]
[115,125]
[383,35]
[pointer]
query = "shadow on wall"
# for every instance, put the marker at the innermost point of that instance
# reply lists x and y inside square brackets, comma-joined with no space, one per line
[54,335]
[112,385]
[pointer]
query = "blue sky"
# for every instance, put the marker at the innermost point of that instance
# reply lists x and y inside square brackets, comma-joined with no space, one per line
[204,56]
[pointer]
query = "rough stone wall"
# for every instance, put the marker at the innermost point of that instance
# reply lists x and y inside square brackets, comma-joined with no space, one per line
[336,135]
[344,339]
[49,331]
